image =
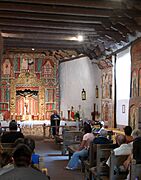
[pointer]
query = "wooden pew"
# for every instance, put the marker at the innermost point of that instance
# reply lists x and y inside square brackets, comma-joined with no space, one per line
[91,161]
[59,137]
[135,170]
[71,137]
[116,163]
[7,147]
[101,171]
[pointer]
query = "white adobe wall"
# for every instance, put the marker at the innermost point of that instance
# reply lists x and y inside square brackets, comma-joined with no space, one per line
[123,80]
[74,76]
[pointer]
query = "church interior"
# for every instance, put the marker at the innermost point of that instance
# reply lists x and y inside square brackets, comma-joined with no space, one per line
[64,55]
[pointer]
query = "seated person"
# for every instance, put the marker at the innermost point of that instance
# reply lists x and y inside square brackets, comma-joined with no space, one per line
[83,148]
[128,131]
[136,154]
[101,126]
[102,138]
[35,157]
[123,149]
[22,166]
[12,134]
[137,149]
[31,144]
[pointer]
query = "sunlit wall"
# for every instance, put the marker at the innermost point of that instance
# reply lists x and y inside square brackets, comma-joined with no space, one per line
[123,76]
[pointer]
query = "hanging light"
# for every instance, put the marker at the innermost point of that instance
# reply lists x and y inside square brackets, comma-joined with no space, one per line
[80,38]
[83,94]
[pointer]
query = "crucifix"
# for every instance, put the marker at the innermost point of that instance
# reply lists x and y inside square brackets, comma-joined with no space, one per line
[26,101]
[93,113]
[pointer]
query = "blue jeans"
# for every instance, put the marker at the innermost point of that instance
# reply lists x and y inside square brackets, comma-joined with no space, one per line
[74,161]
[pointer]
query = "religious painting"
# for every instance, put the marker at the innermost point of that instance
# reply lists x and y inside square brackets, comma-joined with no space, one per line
[136,52]
[27,61]
[140,82]
[48,70]
[49,95]
[133,116]
[107,84]
[38,65]
[16,60]
[6,67]
[105,111]
[24,64]
[134,84]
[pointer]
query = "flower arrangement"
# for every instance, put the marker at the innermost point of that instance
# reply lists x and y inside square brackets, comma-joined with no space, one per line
[77,115]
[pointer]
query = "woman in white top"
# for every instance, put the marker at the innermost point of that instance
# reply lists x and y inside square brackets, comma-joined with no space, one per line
[83,149]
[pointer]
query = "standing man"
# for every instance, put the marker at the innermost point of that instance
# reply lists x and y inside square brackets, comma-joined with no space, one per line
[55,122]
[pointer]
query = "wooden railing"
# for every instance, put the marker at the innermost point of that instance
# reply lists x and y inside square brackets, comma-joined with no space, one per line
[42,131]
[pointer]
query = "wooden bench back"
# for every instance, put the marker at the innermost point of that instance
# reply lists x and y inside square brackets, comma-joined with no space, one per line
[7,147]
[116,161]
[135,170]
[92,154]
[90,162]
[71,137]
[103,153]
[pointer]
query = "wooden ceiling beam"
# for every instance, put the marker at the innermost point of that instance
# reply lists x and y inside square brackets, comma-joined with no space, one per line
[53,17]
[68,10]
[51,9]
[112,33]
[131,13]
[107,22]
[27,45]
[79,3]
[131,25]
[64,18]
[43,36]
[122,29]
[45,41]
[70,32]
[17,30]
[48,24]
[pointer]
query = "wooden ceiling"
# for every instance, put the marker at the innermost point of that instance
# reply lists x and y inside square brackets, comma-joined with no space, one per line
[53,25]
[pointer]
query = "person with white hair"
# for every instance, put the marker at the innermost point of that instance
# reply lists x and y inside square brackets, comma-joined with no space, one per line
[123,149]
[136,133]
[102,138]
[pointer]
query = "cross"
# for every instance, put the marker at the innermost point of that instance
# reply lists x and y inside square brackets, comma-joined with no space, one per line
[93,113]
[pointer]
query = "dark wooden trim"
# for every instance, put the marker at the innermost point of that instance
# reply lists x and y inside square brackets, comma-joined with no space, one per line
[115,92]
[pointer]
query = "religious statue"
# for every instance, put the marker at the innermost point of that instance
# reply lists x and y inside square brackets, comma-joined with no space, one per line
[72,112]
[26,102]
